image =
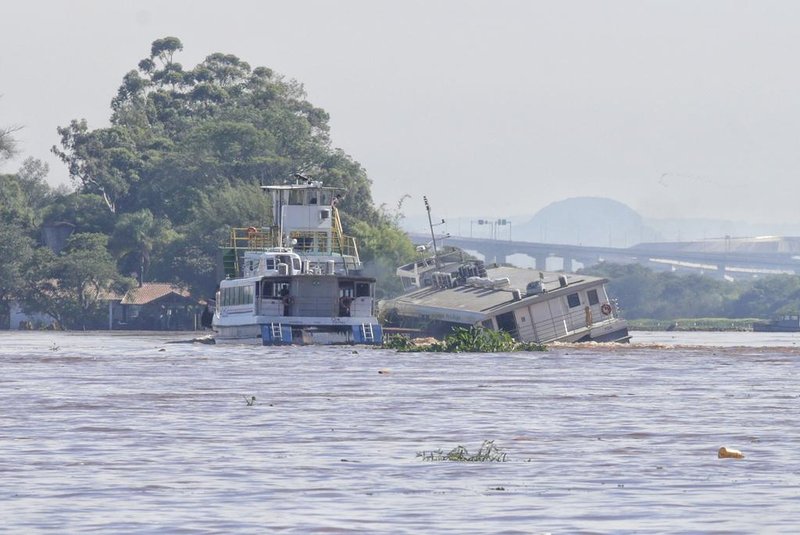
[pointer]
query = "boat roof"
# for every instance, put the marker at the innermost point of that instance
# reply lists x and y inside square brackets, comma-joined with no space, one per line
[489,301]
[289,187]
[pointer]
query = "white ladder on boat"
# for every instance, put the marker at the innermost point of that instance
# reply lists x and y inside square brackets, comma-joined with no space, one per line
[368,333]
[277,332]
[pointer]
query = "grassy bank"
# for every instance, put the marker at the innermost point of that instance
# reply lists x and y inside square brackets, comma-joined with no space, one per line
[693,324]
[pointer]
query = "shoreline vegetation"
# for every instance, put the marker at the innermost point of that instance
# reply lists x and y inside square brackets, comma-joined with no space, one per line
[694,324]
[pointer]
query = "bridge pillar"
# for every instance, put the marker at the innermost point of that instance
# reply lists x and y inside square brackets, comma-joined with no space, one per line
[541,262]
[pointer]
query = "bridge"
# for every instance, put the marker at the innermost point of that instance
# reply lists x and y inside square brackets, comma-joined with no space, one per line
[731,257]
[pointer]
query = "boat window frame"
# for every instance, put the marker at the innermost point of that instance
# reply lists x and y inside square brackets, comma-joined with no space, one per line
[574,300]
[592,296]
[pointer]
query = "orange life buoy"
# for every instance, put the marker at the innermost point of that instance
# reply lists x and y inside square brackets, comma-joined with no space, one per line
[251,231]
[605,309]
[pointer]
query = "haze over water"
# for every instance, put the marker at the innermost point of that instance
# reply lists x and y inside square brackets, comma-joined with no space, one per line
[127,433]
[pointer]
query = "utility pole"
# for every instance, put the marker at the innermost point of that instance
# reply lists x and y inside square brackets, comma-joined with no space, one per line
[433,236]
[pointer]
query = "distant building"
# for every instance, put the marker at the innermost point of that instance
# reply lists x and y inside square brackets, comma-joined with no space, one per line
[159,306]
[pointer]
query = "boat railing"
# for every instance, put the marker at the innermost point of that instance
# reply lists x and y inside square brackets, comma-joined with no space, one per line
[572,321]
[342,244]
[253,239]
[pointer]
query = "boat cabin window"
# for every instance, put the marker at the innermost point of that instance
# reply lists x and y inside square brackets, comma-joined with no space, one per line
[297,196]
[237,295]
[346,290]
[303,243]
[573,300]
[270,262]
[592,295]
[324,198]
[296,263]
[362,289]
[274,289]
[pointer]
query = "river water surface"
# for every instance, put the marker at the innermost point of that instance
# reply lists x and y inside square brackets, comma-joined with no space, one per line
[130,433]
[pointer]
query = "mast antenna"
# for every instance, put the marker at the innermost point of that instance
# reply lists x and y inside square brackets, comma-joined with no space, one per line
[433,235]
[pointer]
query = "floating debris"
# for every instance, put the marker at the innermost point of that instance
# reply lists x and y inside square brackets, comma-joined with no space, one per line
[250,401]
[488,452]
[729,453]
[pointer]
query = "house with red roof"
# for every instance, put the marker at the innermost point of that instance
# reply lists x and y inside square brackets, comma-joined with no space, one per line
[159,306]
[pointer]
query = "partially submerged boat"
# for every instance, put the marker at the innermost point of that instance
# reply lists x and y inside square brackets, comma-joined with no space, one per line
[446,291]
[533,306]
[297,281]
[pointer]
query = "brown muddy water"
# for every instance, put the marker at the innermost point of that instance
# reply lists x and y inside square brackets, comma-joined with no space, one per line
[132,434]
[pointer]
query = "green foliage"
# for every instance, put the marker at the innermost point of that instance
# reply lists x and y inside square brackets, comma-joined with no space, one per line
[643,293]
[70,286]
[463,340]
[399,342]
[16,251]
[8,144]
[87,212]
[134,239]
[15,208]
[382,248]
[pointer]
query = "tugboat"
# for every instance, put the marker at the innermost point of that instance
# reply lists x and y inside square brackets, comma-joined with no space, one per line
[298,281]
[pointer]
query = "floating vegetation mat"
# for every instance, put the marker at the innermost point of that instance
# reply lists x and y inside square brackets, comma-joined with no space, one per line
[460,340]
[488,452]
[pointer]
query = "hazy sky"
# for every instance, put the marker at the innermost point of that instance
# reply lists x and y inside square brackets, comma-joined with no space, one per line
[490,108]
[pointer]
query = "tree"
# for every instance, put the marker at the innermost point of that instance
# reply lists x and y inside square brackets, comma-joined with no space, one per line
[8,145]
[16,250]
[768,297]
[15,207]
[105,161]
[135,235]
[70,286]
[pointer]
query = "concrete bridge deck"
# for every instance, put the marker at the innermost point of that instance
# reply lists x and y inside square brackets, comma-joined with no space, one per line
[730,257]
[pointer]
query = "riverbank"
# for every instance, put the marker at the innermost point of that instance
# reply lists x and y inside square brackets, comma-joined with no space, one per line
[694,324]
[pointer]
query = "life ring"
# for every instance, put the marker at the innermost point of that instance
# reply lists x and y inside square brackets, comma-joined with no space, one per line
[288,300]
[605,309]
[251,231]
[345,301]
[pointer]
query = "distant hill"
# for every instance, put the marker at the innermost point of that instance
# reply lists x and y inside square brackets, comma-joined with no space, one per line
[587,221]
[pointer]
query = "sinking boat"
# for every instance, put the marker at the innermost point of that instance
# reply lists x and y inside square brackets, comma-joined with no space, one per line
[446,291]
[297,281]
[533,306]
